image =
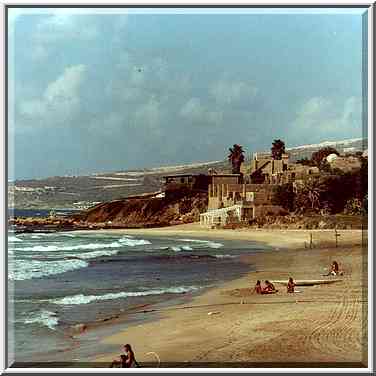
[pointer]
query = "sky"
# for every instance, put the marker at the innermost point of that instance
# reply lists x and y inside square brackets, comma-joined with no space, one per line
[95,90]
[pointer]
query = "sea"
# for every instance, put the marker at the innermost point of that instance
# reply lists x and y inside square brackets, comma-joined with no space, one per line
[59,280]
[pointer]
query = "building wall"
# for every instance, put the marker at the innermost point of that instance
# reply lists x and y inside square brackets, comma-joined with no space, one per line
[225,195]
[220,179]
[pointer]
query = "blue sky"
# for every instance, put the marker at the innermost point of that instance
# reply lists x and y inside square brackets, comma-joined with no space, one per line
[101,90]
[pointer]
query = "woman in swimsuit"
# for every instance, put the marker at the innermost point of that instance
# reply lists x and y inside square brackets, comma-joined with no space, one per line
[290,285]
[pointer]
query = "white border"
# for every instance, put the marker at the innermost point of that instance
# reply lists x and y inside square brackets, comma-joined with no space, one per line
[370,186]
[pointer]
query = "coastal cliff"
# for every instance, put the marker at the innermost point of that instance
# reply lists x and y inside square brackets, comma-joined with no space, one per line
[147,212]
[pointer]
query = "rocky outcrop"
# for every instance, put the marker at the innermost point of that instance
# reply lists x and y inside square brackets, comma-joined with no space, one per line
[148,212]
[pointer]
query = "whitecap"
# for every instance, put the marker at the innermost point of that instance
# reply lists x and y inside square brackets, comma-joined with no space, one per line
[90,246]
[209,243]
[14,239]
[224,256]
[44,317]
[91,255]
[133,242]
[20,270]
[186,248]
[85,299]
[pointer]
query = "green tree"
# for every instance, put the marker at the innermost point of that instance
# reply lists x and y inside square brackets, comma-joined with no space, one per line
[236,157]
[319,157]
[305,162]
[277,149]
[284,196]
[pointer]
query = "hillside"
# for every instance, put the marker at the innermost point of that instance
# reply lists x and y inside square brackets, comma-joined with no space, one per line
[85,191]
[147,212]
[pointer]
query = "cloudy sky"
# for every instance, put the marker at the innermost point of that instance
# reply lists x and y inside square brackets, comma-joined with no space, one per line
[102,90]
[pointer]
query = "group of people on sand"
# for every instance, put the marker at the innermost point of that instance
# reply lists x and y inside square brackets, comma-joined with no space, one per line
[269,288]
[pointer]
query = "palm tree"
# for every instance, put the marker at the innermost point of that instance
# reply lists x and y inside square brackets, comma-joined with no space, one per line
[236,157]
[278,148]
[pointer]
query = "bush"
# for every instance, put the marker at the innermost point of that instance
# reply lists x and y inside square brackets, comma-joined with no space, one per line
[284,196]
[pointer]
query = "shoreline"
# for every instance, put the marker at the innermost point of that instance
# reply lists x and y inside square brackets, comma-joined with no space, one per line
[181,326]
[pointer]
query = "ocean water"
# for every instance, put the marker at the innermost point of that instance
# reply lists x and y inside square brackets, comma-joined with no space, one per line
[59,280]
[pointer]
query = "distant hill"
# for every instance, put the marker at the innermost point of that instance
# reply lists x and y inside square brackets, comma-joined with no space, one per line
[343,147]
[85,191]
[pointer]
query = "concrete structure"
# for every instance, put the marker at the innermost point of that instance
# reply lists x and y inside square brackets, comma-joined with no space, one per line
[346,164]
[232,201]
[219,217]
[270,171]
[190,181]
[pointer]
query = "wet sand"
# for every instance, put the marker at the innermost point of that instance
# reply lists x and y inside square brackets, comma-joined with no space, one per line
[322,325]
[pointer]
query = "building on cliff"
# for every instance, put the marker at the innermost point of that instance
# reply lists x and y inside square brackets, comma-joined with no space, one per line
[232,200]
[187,182]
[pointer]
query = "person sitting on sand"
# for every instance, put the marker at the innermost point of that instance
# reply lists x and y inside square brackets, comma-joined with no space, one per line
[334,269]
[291,285]
[258,288]
[130,361]
[122,363]
[269,288]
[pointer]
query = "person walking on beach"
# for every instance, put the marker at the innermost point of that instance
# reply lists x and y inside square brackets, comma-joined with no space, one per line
[290,285]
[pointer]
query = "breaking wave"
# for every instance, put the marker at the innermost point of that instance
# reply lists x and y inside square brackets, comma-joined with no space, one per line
[91,255]
[208,243]
[85,299]
[44,317]
[90,246]
[14,239]
[20,270]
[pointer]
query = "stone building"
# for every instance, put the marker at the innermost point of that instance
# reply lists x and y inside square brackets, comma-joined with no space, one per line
[189,181]
[231,199]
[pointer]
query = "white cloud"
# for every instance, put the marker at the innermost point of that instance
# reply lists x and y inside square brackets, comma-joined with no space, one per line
[149,117]
[61,97]
[65,27]
[321,115]
[228,92]
[314,106]
[195,112]
[192,110]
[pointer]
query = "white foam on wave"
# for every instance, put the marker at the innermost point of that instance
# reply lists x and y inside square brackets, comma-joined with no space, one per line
[44,317]
[186,248]
[85,299]
[90,246]
[224,256]
[130,242]
[94,254]
[208,243]
[180,248]
[14,239]
[20,270]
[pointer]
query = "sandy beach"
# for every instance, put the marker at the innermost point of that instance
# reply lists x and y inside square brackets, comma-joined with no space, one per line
[321,325]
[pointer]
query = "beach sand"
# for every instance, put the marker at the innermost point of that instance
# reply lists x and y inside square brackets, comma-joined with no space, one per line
[322,325]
